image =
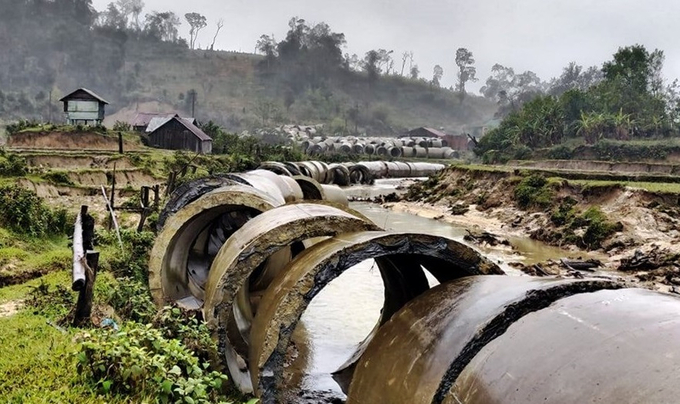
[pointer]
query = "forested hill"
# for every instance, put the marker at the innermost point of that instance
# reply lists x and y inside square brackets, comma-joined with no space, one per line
[51,47]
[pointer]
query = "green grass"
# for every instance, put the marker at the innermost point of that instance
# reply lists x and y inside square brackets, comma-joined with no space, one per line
[656,187]
[36,363]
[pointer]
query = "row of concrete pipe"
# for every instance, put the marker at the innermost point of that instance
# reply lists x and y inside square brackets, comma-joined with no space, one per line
[353,173]
[432,148]
[252,250]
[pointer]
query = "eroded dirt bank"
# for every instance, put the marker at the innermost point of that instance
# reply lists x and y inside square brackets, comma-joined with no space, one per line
[637,231]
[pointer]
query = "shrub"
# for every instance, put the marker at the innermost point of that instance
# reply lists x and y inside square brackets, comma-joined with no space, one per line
[54,303]
[131,300]
[598,227]
[138,361]
[12,165]
[184,326]
[560,153]
[24,212]
[58,177]
[533,191]
[120,126]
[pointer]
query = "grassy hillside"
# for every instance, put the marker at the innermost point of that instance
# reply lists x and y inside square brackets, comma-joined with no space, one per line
[231,92]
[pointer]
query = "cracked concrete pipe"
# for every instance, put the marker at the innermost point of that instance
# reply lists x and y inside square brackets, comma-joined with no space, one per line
[289,295]
[248,249]
[439,340]
[184,248]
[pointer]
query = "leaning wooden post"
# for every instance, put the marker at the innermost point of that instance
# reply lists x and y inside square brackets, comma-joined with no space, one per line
[85,263]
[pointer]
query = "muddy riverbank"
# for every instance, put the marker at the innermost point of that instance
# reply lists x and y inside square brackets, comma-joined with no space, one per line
[607,222]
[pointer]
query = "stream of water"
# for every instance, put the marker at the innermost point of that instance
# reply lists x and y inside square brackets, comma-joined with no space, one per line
[346,311]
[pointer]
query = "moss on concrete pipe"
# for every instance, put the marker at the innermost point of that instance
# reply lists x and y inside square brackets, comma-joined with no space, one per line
[289,295]
[248,249]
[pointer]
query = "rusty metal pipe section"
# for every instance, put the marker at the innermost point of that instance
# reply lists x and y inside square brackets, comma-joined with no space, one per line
[289,294]
[237,262]
[492,340]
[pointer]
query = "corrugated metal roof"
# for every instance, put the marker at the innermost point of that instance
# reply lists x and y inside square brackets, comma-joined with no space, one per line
[187,123]
[159,121]
[90,92]
[435,132]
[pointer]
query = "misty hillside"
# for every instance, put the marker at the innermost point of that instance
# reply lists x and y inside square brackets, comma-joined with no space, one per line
[53,47]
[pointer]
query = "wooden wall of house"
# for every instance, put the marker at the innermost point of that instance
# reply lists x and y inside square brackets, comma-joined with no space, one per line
[174,136]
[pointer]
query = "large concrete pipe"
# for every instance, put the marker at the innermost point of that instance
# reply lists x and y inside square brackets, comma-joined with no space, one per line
[381,151]
[269,181]
[189,192]
[183,250]
[345,147]
[436,143]
[369,149]
[421,152]
[408,152]
[276,167]
[359,174]
[438,340]
[358,148]
[312,190]
[340,174]
[435,153]
[394,152]
[289,295]
[249,248]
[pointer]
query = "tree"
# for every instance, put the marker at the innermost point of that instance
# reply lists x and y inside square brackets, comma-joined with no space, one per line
[575,77]
[415,72]
[405,57]
[437,75]
[196,23]
[466,70]
[131,8]
[371,66]
[162,25]
[220,24]
[113,18]
[267,46]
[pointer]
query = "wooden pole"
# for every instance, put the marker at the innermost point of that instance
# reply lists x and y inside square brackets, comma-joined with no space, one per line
[113,218]
[85,264]
[120,142]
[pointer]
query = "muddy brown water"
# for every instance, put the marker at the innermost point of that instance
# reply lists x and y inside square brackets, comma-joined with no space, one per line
[346,311]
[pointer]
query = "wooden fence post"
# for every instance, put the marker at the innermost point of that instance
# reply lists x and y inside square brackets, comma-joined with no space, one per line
[85,264]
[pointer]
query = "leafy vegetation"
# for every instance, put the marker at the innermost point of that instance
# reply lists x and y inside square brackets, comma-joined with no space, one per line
[534,191]
[23,212]
[139,362]
[630,102]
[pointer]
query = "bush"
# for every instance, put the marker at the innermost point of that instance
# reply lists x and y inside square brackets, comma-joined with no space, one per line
[53,303]
[598,227]
[138,361]
[17,127]
[560,153]
[58,177]
[131,300]
[184,326]
[120,126]
[24,212]
[133,262]
[533,191]
[12,165]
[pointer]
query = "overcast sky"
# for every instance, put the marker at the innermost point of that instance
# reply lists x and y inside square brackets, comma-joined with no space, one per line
[538,35]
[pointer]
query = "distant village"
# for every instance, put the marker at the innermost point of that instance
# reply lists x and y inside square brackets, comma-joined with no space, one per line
[174,132]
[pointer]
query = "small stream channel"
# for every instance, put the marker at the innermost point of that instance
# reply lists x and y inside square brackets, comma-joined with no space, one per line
[346,311]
